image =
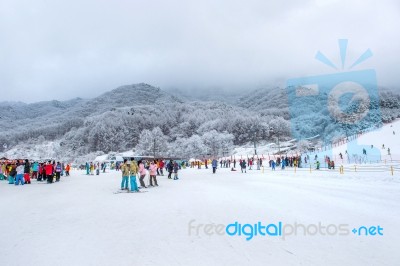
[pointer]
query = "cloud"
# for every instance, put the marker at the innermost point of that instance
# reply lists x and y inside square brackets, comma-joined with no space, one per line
[63,49]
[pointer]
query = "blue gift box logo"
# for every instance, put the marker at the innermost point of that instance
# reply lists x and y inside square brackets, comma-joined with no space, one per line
[334,105]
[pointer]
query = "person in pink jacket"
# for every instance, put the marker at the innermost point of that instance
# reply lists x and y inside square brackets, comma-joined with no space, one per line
[142,174]
[153,173]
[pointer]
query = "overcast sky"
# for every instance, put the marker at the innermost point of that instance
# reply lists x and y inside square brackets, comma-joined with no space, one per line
[63,49]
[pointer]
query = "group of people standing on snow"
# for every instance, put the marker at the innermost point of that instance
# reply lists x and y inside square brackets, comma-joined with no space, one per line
[20,172]
[130,170]
[92,167]
[283,162]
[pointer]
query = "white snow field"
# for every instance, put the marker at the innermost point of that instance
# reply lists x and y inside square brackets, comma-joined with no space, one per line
[80,221]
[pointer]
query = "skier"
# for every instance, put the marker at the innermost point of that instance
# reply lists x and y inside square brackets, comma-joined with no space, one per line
[214,165]
[125,175]
[142,173]
[234,163]
[133,170]
[388,151]
[176,168]
[87,168]
[273,164]
[153,172]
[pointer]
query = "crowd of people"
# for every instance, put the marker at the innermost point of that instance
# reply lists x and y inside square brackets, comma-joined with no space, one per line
[20,172]
[131,169]
[254,163]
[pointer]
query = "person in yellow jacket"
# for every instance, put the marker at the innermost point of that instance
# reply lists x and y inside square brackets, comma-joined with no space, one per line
[133,170]
[125,169]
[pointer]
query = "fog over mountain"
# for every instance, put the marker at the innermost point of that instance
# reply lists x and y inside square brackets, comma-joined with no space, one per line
[64,49]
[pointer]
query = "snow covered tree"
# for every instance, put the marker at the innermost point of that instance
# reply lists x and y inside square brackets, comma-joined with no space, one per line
[218,144]
[153,143]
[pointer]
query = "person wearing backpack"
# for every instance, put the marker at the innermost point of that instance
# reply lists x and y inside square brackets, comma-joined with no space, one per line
[58,171]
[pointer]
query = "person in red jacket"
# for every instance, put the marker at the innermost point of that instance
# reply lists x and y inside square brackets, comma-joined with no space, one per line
[162,165]
[49,172]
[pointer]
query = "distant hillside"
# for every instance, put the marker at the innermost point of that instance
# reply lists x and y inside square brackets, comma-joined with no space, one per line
[266,101]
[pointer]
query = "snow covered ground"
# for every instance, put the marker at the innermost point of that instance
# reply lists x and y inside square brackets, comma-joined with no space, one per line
[80,221]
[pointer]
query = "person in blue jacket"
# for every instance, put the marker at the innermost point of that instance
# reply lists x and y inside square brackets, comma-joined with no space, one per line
[214,165]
